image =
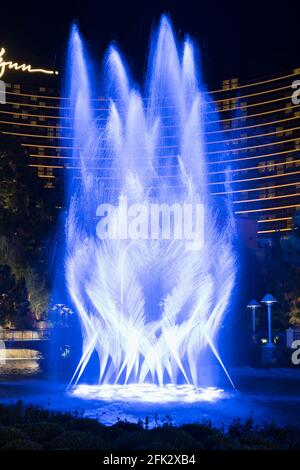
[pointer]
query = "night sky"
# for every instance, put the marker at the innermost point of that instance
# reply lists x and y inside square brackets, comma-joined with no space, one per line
[235,40]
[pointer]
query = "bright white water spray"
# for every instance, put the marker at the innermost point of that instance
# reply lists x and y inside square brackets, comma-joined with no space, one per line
[149,307]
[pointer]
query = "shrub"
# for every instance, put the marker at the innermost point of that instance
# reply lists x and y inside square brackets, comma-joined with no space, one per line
[85,424]
[22,444]
[8,434]
[43,431]
[77,440]
[287,437]
[36,428]
[176,437]
[132,440]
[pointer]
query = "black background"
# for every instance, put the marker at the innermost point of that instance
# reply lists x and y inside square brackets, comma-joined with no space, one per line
[242,39]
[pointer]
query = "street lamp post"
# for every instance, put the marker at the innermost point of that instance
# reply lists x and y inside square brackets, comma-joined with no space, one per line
[253,305]
[269,300]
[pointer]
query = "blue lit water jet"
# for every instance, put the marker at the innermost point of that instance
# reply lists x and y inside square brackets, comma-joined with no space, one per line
[149,308]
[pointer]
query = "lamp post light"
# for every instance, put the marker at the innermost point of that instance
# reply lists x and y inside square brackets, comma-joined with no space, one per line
[253,305]
[269,300]
[63,311]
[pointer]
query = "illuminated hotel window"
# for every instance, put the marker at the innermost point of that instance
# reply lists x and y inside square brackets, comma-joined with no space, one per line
[262,195]
[41,151]
[288,108]
[226,84]
[42,89]
[225,105]
[270,193]
[262,167]
[33,122]
[33,98]
[41,171]
[279,131]
[297,144]
[280,169]
[42,118]
[16,116]
[290,162]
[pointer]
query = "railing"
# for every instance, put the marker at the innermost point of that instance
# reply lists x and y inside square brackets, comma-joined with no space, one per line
[24,335]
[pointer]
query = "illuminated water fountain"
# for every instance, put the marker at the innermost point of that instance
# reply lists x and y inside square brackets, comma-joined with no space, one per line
[150,304]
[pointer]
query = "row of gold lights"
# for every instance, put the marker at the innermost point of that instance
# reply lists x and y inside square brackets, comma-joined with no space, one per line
[272,90]
[210,183]
[235,202]
[275,230]
[230,170]
[244,117]
[254,157]
[242,107]
[220,90]
[235,139]
[248,211]
[234,129]
[240,149]
[38,165]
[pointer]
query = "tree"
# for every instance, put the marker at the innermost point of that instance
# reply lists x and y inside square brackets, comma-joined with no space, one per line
[291,255]
[28,216]
[14,304]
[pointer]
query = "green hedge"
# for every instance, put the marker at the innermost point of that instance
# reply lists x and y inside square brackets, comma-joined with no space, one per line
[29,427]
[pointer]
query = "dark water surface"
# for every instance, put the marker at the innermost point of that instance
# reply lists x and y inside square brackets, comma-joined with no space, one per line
[269,395]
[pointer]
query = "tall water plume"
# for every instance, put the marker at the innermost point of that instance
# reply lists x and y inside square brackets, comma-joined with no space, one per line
[150,306]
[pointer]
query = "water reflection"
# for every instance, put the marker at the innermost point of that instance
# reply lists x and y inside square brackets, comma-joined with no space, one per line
[19,361]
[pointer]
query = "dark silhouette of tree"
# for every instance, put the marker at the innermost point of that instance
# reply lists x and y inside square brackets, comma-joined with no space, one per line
[14,303]
[291,264]
[27,222]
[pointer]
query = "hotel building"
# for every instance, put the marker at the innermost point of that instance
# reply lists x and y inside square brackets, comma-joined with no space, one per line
[260,138]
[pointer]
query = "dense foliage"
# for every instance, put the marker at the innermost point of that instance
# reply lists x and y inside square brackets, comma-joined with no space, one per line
[35,428]
[27,219]
[14,303]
